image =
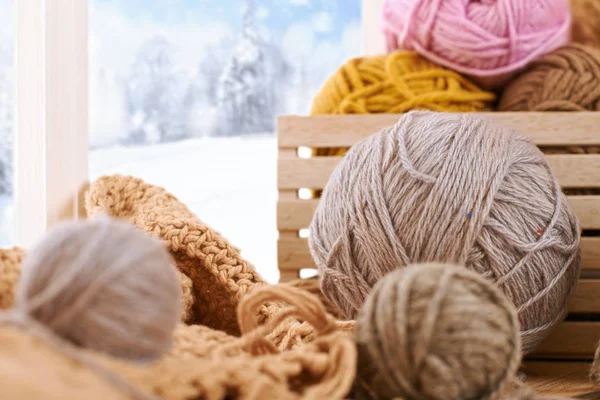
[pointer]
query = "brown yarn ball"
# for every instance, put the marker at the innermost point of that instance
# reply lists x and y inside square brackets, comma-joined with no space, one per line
[102,285]
[567,79]
[586,22]
[437,332]
[452,188]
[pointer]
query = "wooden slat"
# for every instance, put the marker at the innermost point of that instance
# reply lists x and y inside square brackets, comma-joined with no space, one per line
[590,253]
[544,129]
[286,276]
[571,170]
[297,214]
[575,170]
[587,209]
[575,340]
[293,253]
[586,298]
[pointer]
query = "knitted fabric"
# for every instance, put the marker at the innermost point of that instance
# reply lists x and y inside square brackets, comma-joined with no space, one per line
[220,276]
[10,270]
[205,363]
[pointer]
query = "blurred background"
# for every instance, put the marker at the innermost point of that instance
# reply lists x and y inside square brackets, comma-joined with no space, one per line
[185,94]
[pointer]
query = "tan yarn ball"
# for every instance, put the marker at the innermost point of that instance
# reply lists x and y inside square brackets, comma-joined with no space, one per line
[450,188]
[586,22]
[567,79]
[103,285]
[436,332]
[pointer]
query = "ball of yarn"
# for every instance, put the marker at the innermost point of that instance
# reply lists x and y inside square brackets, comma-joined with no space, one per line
[436,332]
[485,39]
[103,285]
[455,188]
[397,83]
[567,79]
[586,22]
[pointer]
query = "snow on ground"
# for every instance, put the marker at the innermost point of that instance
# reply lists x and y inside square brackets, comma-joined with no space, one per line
[230,183]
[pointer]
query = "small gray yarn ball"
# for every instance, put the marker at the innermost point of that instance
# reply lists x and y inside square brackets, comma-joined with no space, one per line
[103,285]
[437,332]
[449,188]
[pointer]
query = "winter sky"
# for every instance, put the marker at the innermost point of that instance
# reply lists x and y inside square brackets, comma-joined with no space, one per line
[326,32]
[320,29]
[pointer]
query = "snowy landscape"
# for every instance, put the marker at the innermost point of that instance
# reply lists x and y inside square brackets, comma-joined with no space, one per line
[184,94]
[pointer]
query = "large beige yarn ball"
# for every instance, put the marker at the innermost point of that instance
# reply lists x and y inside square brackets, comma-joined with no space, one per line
[449,188]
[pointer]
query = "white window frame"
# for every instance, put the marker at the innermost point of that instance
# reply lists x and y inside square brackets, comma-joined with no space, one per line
[373,40]
[51,124]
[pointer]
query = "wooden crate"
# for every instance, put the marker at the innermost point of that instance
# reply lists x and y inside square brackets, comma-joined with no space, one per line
[562,358]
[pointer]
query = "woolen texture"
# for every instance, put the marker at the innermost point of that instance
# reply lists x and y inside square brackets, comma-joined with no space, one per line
[397,83]
[437,332]
[568,79]
[484,39]
[586,22]
[454,188]
[102,285]
[204,363]
[10,271]
[220,276]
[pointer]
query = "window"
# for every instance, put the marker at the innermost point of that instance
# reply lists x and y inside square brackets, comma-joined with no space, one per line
[184,94]
[6,122]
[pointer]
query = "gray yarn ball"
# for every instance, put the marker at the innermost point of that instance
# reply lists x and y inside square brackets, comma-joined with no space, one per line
[449,188]
[103,285]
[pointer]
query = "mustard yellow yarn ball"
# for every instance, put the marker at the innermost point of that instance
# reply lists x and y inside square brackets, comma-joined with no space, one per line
[396,83]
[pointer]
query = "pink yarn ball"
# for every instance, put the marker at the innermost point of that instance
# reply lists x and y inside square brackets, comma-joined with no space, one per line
[486,39]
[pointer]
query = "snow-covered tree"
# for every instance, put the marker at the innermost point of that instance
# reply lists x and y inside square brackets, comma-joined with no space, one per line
[155,96]
[280,73]
[245,93]
[6,124]
[298,44]
[201,98]
[214,60]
